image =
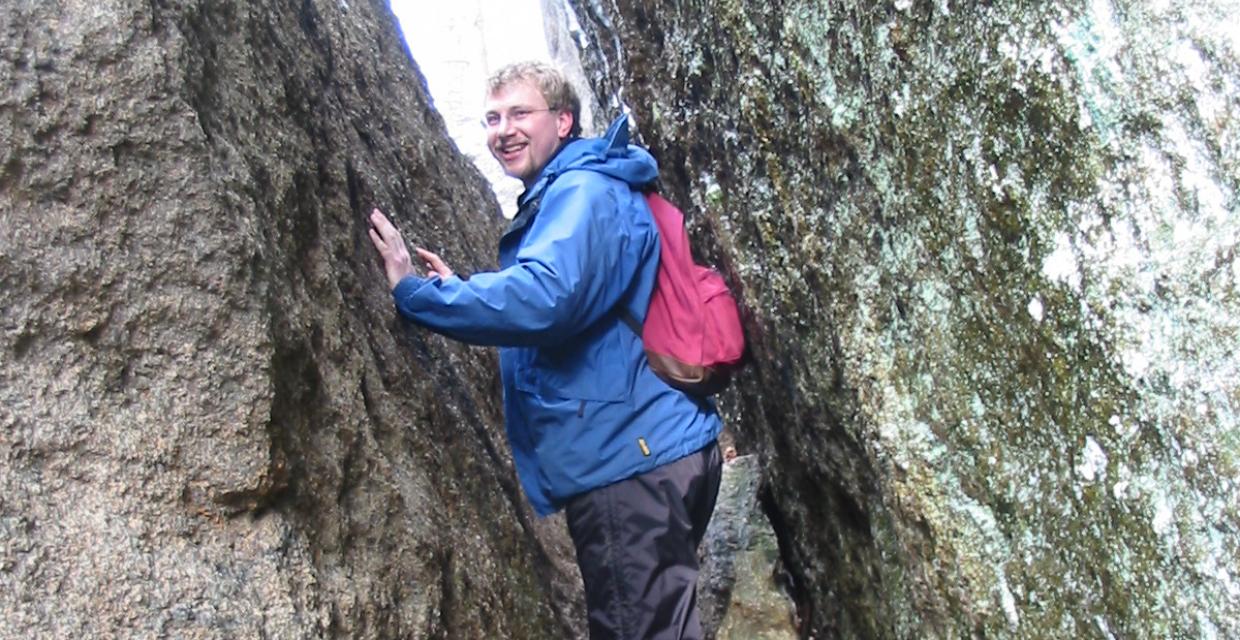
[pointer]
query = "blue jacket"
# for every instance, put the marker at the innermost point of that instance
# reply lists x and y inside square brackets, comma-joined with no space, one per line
[582,407]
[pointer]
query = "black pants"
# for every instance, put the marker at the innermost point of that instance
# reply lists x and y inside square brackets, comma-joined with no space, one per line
[637,548]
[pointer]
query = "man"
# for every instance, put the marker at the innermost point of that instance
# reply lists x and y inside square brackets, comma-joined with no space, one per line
[633,462]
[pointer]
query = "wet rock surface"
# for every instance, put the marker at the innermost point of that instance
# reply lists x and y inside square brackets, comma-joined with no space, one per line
[988,259]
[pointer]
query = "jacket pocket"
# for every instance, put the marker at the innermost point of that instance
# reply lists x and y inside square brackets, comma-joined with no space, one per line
[577,441]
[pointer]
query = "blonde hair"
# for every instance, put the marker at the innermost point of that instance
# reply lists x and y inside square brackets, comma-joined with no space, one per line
[552,84]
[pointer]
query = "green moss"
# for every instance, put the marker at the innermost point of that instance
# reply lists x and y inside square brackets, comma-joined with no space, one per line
[975,382]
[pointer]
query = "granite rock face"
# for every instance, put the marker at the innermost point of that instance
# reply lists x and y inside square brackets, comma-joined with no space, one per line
[988,255]
[211,422]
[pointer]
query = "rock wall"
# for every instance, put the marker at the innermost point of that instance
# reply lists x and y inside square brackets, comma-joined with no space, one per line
[211,422]
[988,258]
[564,40]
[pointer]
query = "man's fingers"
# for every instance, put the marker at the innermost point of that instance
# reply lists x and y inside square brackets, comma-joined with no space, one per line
[431,259]
[383,225]
[434,262]
[378,241]
[391,247]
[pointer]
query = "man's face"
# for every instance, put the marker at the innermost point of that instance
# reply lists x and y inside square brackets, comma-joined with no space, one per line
[522,133]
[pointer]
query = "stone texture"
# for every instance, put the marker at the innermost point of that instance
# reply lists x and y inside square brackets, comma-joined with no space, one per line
[564,40]
[988,257]
[212,424]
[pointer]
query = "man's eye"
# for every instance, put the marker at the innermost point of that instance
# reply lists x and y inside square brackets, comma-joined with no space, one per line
[520,114]
[491,118]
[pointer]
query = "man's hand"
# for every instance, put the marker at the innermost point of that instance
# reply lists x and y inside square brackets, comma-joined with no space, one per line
[396,260]
[391,246]
[434,264]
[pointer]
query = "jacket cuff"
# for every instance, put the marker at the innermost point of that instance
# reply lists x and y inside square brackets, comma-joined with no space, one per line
[407,290]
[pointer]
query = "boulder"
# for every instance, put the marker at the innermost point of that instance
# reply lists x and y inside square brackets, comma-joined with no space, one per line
[212,423]
[988,259]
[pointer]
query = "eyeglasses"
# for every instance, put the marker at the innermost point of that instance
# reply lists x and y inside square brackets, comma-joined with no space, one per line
[494,119]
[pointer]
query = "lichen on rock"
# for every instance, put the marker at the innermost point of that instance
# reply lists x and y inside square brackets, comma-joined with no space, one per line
[988,258]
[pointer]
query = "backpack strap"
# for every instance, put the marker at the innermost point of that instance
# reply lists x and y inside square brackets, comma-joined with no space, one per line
[628,318]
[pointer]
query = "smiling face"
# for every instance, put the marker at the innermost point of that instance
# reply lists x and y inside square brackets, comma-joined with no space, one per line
[522,132]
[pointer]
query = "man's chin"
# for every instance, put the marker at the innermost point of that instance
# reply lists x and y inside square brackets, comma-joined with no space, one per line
[514,171]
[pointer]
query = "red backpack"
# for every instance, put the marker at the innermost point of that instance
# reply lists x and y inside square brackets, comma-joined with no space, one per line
[692,334]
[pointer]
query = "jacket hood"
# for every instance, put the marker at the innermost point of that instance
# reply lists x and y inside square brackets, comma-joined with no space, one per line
[611,155]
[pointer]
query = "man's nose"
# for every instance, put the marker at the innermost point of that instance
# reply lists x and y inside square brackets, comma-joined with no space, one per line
[506,123]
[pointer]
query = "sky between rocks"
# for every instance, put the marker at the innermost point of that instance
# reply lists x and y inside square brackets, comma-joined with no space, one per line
[458,45]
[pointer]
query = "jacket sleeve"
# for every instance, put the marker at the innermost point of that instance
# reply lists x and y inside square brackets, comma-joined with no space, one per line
[579,257]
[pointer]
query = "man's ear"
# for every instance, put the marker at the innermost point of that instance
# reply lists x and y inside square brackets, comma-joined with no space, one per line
[564,123]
